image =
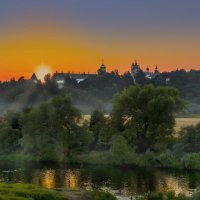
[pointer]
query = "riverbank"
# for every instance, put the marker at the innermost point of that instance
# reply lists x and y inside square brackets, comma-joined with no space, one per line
[166,160]
[27,192]
[123,181]
[169,196]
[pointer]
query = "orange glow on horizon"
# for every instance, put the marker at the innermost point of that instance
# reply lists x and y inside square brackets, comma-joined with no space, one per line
[73,50]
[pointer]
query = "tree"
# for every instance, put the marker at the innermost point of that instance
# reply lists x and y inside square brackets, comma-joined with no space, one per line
[148,110]
[9,138]
[190,138]
[96,122]
[14,120]
[47,78]
[51,130]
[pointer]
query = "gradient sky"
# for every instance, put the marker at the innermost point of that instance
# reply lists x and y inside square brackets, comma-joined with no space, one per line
[75,35]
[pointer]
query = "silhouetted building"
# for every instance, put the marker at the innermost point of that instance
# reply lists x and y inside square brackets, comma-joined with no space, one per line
[151,75]
[156,72]
[34,78]
[61,77]
[148,73]
[102,70]
[135,68]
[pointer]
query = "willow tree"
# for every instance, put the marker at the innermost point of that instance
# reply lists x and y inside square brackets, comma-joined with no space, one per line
[147,111]
[51,131]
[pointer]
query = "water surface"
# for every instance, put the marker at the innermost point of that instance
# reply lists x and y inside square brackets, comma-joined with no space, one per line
[124,181]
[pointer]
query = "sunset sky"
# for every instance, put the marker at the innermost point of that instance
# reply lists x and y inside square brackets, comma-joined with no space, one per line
[75,35]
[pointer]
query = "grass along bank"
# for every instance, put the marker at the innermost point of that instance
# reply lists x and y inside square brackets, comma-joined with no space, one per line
[166,160]
[27,192]
[169,196]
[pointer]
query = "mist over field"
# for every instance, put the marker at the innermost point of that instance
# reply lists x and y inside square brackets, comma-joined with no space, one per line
[97,90]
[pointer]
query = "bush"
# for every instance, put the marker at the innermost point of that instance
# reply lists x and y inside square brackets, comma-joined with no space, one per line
[191,161]
[92,157]
[169,160]
[163,196]
[121,152]
[103,196]
[190,138]
[196,196]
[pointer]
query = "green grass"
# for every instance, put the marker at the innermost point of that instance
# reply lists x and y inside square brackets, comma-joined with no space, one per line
[33,192]
[27,192]
[99,195]
[169,196]
[93,157]
[164,196]
[17,157]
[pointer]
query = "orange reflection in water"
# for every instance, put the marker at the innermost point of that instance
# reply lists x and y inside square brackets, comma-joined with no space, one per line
[48,179]
[173,184]
[72,179]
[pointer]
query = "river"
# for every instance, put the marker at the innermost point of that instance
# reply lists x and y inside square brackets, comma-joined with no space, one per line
[123,181]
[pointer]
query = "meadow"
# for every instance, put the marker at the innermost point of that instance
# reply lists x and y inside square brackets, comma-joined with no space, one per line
[180,122]
[183,122]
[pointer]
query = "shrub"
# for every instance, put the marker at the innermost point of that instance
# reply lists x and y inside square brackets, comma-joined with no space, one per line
[102,196]
[196,196]
[191,161]
[164,196]
[121,152]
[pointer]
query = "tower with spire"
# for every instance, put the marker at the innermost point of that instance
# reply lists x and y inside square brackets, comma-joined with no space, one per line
[135,68]
[102,69]
[156,72]
[148,73]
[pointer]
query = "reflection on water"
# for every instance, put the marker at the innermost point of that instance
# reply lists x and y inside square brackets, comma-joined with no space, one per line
[45,178]
[171,183]
[125,182]
[72,179]
[50,179]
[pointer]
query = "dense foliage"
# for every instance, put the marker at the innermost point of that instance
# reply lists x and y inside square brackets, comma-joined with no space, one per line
[190,139]
[147,112]
[139,131]
[49,132]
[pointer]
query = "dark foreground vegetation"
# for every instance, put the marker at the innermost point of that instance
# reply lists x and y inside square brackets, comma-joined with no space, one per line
[27,192]
[169,196]
[139,131]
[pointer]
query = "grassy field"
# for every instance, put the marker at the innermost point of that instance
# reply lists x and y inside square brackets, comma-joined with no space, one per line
[180,122]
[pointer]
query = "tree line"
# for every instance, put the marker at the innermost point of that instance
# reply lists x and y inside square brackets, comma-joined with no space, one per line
[140,124]
[20,94]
